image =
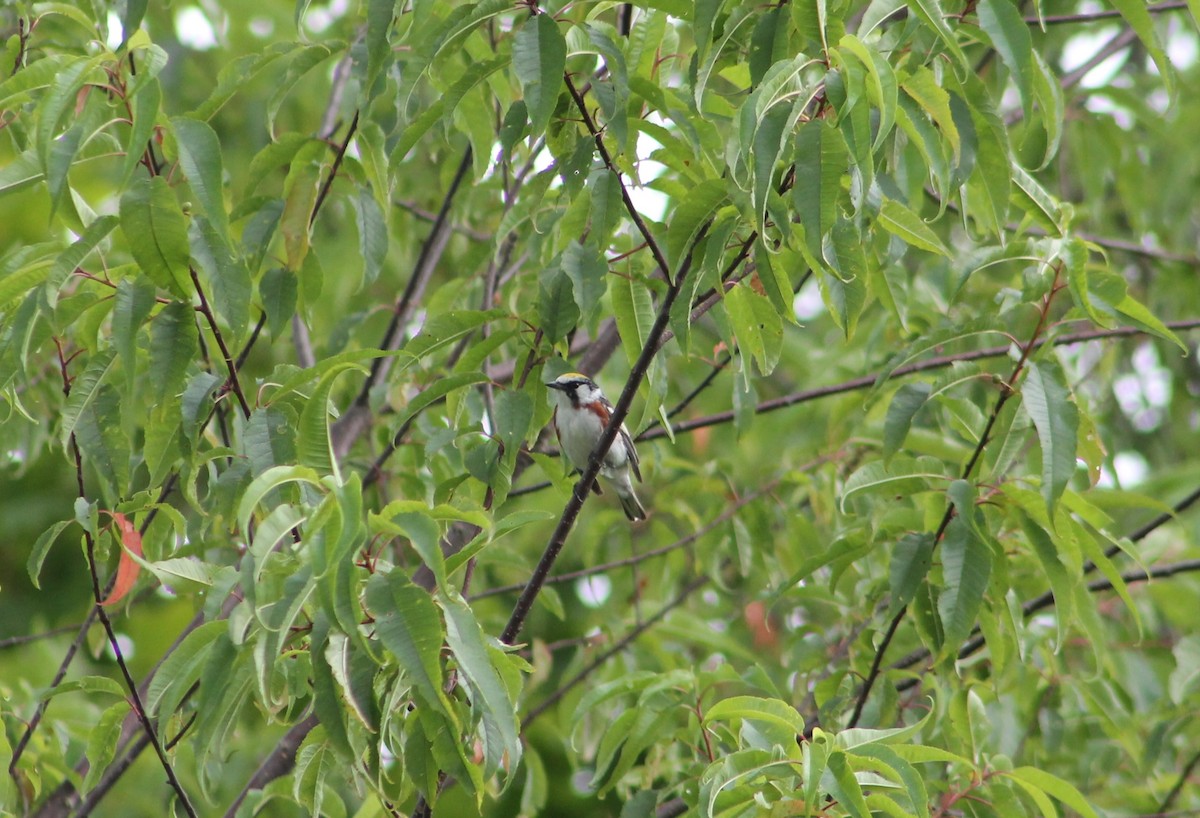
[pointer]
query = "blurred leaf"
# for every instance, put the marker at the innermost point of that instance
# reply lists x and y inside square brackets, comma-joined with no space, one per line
[539,57]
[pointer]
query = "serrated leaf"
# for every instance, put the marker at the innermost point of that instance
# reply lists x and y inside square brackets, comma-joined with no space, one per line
[372,234]
[313,446]
[539,56]
[490,697]
[200,158]
[1002,22]
[757,325]
[156,232]
[84,389]
[410,627]
[1056,419]
[587,270]
[905,404]
[966,568]
[911,561]
[174,344]
[821,161]
[897,219]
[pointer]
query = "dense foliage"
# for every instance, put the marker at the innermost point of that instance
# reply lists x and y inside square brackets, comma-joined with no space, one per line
[897,299]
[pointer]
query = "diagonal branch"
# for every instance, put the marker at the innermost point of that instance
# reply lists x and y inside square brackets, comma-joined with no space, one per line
[984,438]
[351,426]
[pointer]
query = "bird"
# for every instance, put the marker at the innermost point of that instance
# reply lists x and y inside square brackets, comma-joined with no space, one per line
[580,415]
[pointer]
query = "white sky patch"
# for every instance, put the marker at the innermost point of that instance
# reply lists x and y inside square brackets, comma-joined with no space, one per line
[808,304]
[124,643]
[262,27]
[593,591]
[194,29]
[116,32]
[1182,47]
[650,203]
[1082,47]
[319,18]
[1144,393]
[1131,469]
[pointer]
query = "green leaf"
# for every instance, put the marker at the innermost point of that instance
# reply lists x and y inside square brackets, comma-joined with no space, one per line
[1140,20]
[907,401]
[313,446]
[372,233]
[84,390]
[930,12]
[634,313]
[911,561]
[539,59]
[174,344]
[898,220]
[200,158]
[821,159]
[1002,22]
[772,711]
[757,325]
[1034,780]
[587,270]
[839,780]
[228,276]
[102,743]
[1056,419]
[156,232]
[689,217]
[41,548]
[71,258]
[966,568]
[490,698]
[408,624]
[557,311]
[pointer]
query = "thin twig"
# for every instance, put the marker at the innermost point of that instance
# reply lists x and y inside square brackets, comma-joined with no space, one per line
[984,438]
[98,593]
[233,382]
[691,587]
[1107,14]
[682,542]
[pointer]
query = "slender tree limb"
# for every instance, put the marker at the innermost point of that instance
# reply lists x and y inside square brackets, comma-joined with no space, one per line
[98,593]
[1107,14]
[280,762]
[1169,799]
[939,362]
[984,438]
[682,542]
[232,382]
[356,419]
[587,670]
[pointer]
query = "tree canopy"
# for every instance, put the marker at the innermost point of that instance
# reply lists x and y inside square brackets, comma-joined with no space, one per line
[897,299]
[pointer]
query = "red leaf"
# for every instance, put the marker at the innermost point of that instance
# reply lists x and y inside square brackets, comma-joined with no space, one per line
[127,568]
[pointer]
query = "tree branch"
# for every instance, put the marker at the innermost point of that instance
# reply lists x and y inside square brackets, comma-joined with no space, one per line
[1006,392]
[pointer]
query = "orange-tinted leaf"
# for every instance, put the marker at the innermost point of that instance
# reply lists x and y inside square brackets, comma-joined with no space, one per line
[127,568]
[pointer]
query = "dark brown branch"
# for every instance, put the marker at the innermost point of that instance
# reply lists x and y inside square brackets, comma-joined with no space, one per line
[603,568]
[693,585]
[98,593]
[939,362]
[279,762]
[984,438]
[1107,14]
[233,382]
[355,420]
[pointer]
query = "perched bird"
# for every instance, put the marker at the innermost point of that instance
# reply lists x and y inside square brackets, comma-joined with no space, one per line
[580,415]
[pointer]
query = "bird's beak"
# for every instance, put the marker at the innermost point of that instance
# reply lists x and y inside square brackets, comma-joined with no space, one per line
[555,385]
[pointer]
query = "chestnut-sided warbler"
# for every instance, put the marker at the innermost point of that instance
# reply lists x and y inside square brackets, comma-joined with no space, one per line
[580,416]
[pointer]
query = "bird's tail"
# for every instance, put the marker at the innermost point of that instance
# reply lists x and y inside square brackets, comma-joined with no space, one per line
[631,504]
